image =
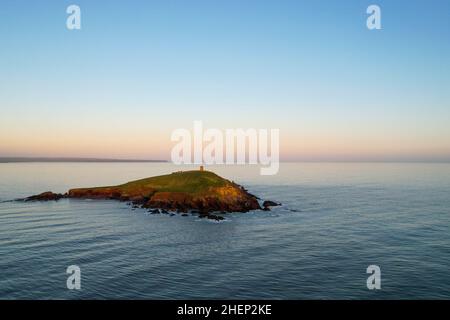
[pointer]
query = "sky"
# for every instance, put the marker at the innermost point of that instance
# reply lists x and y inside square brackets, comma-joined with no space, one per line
[137,70]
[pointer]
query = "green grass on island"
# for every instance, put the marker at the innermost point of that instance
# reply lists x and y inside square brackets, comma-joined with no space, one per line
[194,181]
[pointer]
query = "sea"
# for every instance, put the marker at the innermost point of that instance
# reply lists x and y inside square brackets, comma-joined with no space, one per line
[336,220]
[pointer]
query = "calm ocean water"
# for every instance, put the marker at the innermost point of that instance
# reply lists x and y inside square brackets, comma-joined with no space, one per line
[337,219]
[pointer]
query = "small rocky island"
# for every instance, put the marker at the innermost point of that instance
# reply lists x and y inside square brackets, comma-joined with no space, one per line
[196,191]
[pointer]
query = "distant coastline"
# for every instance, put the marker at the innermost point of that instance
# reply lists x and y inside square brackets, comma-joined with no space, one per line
[63,159]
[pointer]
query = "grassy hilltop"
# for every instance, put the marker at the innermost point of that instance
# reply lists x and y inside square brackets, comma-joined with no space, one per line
[192,182]
[188,181]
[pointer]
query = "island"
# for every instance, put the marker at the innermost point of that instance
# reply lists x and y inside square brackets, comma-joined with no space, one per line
[195,191]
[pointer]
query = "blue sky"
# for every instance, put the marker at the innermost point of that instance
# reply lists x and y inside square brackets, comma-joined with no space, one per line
[139,69]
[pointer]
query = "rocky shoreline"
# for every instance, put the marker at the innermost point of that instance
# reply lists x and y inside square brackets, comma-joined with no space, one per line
[198,192]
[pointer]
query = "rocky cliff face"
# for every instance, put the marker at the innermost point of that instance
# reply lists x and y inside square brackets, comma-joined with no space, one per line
[228,199]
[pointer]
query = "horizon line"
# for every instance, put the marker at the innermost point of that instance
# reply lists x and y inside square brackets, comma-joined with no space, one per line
[118,160]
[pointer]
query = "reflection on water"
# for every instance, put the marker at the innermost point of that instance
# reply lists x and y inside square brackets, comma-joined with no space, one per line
[336,220]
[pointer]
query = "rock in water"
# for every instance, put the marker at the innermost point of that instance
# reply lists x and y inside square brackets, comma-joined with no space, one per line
[215,217]
[45,196]
[268,203]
